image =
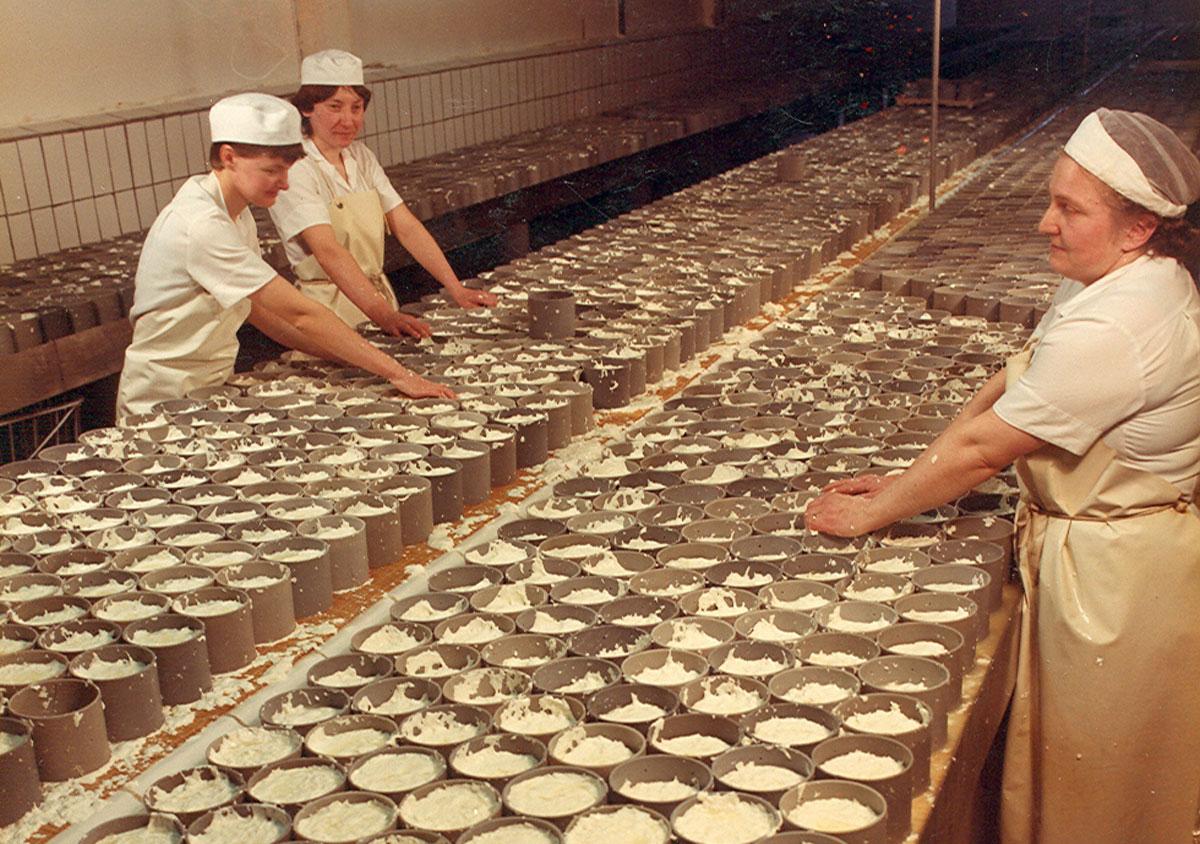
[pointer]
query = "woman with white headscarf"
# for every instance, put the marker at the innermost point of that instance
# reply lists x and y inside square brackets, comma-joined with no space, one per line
[1101,413]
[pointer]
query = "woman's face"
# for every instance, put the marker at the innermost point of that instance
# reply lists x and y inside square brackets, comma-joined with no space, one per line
[259,178]
[1088,236]
[337,121]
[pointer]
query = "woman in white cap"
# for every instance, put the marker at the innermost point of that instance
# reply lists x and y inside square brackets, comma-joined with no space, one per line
[332,218]
[201,274]
[1101,413]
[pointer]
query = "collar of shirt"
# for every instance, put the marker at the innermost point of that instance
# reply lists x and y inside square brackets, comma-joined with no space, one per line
[310,147]
[1097,288]
[210,185]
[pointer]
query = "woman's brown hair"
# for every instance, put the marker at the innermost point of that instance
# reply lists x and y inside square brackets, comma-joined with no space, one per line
[309,95]
[1174,237]
[290,153]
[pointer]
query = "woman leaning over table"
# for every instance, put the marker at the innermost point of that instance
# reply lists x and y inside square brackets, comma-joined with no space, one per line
[333,216]
[201,273]
[1101,413]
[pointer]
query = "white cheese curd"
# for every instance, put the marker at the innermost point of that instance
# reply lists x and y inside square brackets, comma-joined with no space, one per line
[878,594]
[636,620]
[13,646]
[228,827]
[860,765]
[296,715]
[21,594]
[725,697]
[592,681]
[67,613]
[554,795]
[438,728]
[343,820]
[342,530]
[346,678]
[892,565]
[348,743]
[390,773]
[427,664]
[260,582]
[545,623]
[816,694]
[301,512]
[259,537]
[103,590]
[634,712]
[790,730]
[835,659]
[695,563]
[24,674]
[627,825]
[515,834]
[208,609]
[833,815]
[496,553]
[954,587]
[453,806]
[423,610]
[921,648]
[489,762]
[165,637]
[179,585]
[752,776]
[150,834]
[477,631]
[670,673]
[535,716]
[11,741]
[693,744]
[509,598]
[938,616]
[888,722]
[658,791]
[154,562]
[691,637]
[586,597]
[724,818]
[765,630]
[294,555]
[366,510]
[845,625]
[576,747]
[249,747]
[904,687]
[389,639]
[719,602]
[101,669]
[199,790]
[751,667]
[398,703]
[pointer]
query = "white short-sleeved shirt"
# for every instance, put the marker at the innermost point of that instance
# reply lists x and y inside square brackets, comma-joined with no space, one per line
[194,244]
[313,183]
[1118,360]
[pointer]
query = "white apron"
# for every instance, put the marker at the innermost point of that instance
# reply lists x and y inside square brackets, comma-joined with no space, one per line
[358,225]
[179,349]
[1104,733]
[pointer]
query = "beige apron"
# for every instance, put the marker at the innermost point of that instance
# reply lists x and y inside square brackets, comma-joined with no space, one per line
[1104,735]
[358,225]
[179,349]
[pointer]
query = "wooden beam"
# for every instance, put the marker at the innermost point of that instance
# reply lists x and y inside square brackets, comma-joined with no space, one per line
[50,369]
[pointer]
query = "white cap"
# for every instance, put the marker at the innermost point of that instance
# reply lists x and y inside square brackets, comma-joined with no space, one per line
[331,67]
[255,119]
[1139,158]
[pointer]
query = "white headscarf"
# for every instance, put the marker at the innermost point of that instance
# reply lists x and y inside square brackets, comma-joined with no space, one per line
[1139,158]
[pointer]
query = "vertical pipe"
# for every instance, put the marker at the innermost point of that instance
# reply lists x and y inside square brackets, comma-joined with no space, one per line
[935,95]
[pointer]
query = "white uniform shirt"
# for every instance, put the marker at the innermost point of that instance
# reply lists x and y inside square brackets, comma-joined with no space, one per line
[194,243]
[314,183]
[1118,360]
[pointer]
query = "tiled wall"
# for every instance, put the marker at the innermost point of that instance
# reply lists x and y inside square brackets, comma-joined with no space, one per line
[74,183]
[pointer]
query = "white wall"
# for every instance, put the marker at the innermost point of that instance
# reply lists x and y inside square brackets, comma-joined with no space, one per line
[417,33]
[71,58]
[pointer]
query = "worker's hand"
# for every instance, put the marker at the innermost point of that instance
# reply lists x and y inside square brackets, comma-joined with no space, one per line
[467,298]
[400,324]
[869,485]
[416,387]
[839,515]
